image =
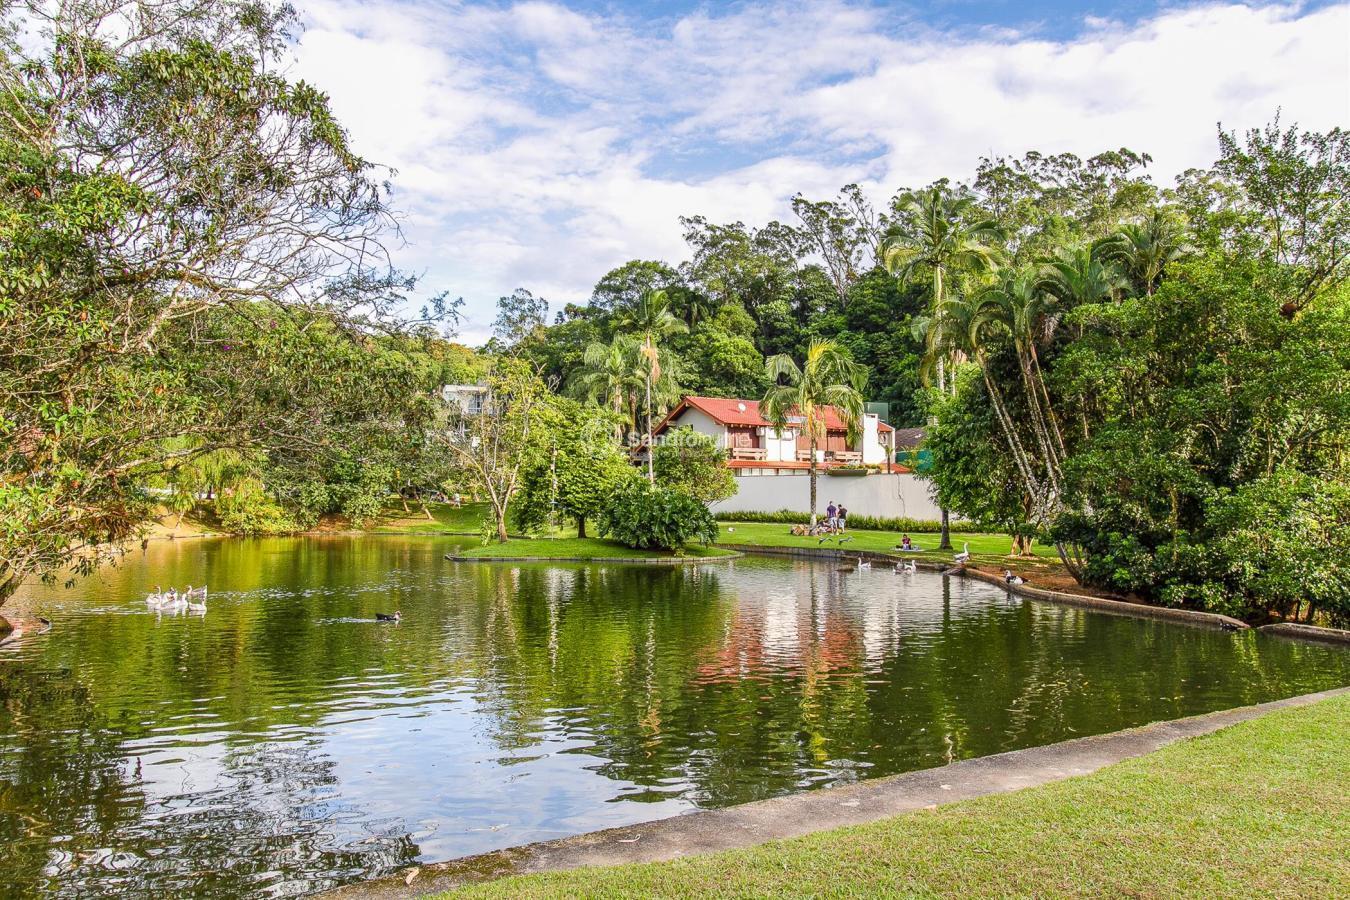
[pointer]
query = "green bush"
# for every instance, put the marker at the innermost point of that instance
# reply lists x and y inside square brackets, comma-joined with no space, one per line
[866,523]
[1273,547]
[246,508]
[645,517]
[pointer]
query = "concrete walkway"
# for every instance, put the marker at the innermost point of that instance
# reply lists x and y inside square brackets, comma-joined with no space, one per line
[799,814]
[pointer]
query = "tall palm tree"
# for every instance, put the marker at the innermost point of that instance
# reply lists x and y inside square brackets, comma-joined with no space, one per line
[971,325]
[1143,250]
[829,377]
[939,232]
[1017,302]
[610,375]
[1081,275]
[650,321]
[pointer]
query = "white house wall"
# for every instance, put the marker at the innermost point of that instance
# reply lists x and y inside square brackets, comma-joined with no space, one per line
[872,451]
[703,424]
[892,496]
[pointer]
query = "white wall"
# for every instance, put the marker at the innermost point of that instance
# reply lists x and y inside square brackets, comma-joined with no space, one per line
[872,451]
[870,495]
[779,447]
[703,424]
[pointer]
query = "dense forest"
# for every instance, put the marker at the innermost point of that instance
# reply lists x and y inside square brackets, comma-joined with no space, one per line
[196,302]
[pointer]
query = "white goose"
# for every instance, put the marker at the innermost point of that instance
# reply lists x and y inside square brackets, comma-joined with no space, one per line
[199,593]
[964,556]
[863,563]
[907,566]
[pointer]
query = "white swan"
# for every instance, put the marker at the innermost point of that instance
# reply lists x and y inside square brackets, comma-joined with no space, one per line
[907,566]
[864,564]
[964,556]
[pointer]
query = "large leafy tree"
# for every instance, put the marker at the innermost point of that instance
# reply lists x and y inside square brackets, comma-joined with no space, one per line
[159,169]
[692,463]
[576,468]
[799,395]
[490,449]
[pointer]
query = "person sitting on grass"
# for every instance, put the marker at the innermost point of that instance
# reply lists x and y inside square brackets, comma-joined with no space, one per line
[907,545]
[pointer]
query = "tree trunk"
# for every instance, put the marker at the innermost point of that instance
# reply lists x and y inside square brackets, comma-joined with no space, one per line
[425,509]
[499,513]
[946,542]
[811,443]
[651,474]
[581,526]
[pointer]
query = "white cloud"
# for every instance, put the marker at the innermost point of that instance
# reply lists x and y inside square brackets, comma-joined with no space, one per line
[539,147]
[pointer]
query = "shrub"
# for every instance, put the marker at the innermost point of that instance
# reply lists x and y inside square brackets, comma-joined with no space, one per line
[647,517]
[247,508]
[866,523]
[692,463]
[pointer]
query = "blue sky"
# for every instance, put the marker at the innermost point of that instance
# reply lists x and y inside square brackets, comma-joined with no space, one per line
[539,144]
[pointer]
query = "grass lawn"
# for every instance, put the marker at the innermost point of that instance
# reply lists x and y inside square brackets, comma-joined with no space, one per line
[1258,809]
[583,548]
[994,547]
[466,519]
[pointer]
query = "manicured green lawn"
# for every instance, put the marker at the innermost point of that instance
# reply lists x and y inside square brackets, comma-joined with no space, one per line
[1258,809]
[771,534]
[582,548]
[466,519]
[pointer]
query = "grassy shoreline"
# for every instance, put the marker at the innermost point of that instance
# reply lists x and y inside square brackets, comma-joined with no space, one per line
[574,548]
[1257,809]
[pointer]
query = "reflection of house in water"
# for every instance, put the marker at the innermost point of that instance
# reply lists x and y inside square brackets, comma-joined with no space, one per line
[807,629]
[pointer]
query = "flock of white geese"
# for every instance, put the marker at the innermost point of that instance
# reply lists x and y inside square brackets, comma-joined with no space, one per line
[191,600]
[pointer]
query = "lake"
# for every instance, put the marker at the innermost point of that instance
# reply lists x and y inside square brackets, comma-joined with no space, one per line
[285,742]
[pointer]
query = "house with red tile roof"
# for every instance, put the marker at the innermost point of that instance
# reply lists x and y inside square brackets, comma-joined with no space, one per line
[754,446]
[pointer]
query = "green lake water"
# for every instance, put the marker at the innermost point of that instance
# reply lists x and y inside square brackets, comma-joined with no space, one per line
[285,742]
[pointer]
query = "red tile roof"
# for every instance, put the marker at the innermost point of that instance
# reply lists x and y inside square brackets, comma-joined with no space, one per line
[732,411]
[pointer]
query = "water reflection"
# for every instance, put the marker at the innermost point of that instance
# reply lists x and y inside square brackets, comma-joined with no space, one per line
[285,742]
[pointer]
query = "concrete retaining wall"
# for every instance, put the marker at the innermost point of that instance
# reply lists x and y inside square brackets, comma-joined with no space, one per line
[1308,632]
[890,496]
[1119,607]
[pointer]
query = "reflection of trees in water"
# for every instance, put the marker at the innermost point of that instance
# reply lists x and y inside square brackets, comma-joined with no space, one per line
[61,774]
[74,807]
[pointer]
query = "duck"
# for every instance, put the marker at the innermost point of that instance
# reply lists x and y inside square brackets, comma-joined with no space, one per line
[964,556]
[1010,578]
[388,617]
